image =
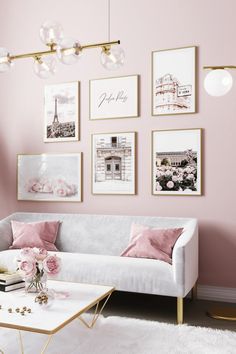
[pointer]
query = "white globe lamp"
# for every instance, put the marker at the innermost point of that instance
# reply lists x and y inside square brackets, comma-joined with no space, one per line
[218,82]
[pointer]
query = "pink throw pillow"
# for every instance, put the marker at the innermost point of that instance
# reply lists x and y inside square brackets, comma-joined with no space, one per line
[41,234]
[146,242]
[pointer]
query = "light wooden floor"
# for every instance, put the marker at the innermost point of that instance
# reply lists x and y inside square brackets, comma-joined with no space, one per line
[163,309]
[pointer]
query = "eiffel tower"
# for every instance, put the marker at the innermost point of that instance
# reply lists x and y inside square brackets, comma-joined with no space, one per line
[55,119]
[56,126]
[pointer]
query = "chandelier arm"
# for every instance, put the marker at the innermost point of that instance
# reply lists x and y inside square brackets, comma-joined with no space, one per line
[219,67]
[106,44]
[50,52]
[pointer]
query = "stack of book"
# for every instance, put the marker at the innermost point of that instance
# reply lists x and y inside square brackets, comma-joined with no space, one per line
[10,281]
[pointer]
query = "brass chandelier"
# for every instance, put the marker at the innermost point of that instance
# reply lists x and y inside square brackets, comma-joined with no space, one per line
[67,50]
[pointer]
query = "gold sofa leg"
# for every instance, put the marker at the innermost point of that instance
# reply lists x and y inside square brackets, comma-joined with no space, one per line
[194,292]
[180,312]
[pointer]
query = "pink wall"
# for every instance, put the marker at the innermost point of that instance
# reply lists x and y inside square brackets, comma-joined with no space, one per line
[142,26]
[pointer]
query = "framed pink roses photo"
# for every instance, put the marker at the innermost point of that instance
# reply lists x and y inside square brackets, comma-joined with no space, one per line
[176,162]
[49,177]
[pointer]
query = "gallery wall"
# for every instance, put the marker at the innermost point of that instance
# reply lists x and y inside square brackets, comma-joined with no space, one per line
[142,26]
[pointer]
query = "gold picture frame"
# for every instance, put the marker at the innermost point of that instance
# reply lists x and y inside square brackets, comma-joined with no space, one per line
[50,177]
[62,112]
[116,98]
[178,160]
[113,163]
[169,87]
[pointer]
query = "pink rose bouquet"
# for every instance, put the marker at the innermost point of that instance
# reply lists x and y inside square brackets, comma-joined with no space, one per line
[34,264]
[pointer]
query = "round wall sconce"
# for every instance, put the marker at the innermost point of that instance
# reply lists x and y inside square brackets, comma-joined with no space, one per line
[218,82]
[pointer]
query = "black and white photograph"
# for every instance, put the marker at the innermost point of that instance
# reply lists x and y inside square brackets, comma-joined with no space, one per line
[113,163]
[174,81]
[61,112]
[50,177]
[115,97]
[176,162]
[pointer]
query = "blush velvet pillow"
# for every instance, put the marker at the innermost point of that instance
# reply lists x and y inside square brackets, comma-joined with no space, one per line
[41,234]
[152,243]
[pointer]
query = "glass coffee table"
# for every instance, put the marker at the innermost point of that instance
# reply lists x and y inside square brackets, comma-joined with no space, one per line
[70,302]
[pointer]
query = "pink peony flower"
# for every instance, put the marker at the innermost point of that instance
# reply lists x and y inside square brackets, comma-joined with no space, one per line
[27,268]
[190,176]
[169,173]
[52,264]
[187,170]
[175,178]
[62,188]
[40,253]
[60,191]
[158,187]
[47,187]
[27,252]
[170,184]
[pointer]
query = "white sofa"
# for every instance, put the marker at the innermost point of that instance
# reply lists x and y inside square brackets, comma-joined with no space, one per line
[90,246]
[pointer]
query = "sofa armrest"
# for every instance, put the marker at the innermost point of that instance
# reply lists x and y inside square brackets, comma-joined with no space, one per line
[5,234]
[185,259]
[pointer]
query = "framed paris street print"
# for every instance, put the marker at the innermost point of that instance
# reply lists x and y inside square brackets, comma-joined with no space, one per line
[174,81]
[176,162]
[115,97]
[113,163]
[50,177]
[61,112]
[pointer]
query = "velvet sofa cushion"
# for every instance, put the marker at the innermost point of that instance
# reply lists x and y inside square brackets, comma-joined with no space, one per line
[41,234]
[146,242]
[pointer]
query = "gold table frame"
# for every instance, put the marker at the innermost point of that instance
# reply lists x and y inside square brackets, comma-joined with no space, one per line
[50,334]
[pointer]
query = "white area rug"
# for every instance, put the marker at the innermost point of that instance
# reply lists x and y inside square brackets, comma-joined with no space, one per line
[120,335]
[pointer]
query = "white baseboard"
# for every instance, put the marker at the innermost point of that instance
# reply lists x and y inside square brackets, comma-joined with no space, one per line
[215,293]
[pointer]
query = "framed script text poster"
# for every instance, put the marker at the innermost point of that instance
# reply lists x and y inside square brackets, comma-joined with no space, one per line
[174,81]
[114,98]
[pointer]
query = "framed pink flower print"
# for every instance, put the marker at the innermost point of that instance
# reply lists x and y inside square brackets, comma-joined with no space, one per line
[49,177]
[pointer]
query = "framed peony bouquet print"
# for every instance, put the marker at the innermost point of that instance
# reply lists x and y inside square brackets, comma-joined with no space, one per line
[176,162]
[49,177]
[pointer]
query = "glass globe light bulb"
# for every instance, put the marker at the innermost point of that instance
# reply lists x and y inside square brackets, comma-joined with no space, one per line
[69,51]
[51,32]
[45,67]
[218,82]
[5,63]
[112,58]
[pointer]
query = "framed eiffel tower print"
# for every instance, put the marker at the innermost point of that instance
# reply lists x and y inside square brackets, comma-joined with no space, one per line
[61,112]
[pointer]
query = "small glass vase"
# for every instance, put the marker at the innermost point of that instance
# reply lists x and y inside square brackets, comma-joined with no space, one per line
[36,284]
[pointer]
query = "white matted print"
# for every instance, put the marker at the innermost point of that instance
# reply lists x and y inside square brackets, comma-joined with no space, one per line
[176,162]
[50,177]
[174,81]
[113,163]
[114,97]
[61,112]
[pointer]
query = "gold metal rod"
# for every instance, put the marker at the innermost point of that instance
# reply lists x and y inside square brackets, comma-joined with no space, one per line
[88,46]
[180,313]
[49,52]
[21,343]
[32,55]
[46,344]
[219,67]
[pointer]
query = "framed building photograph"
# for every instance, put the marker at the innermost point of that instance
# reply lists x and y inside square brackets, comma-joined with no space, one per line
[61,112]
[176,162]
[115,97]
[49,177]
[174,81]
[113,163]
